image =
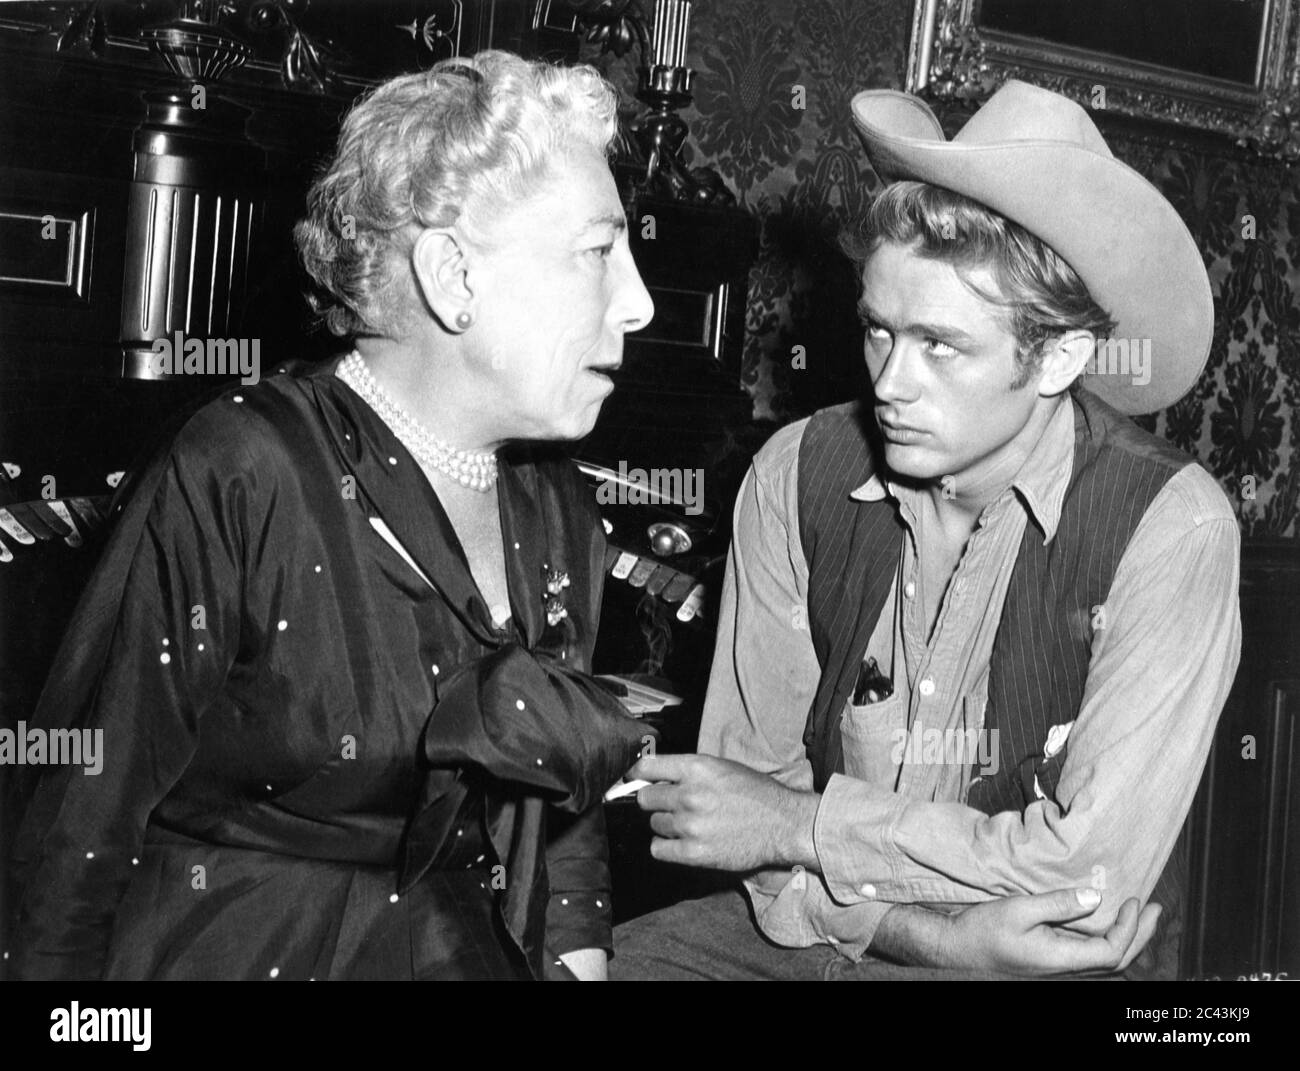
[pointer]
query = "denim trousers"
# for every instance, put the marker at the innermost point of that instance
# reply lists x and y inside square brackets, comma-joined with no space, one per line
[716,939]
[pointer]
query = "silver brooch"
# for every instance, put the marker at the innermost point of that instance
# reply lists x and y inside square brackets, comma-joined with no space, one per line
[553,600]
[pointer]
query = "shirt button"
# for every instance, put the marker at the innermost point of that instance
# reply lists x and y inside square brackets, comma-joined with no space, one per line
[909,589]
[927,687]
[868,890]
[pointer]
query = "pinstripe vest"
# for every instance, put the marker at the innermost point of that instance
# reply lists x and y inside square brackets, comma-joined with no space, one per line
[1041,650]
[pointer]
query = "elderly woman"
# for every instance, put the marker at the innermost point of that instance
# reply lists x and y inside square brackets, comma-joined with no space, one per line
[337,641]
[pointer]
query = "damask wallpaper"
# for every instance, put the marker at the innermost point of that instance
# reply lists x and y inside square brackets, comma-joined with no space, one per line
[771,115]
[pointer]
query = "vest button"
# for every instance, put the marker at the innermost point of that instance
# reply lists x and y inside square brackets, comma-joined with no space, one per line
[909,589]
[927,687]
[868,890]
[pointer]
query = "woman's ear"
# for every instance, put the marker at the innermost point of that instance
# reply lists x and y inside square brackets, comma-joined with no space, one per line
[1065,358]
[441,262]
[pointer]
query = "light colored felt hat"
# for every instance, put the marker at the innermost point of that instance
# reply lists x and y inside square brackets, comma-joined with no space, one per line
[1038,159]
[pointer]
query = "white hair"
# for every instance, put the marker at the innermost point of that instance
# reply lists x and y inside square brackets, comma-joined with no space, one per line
[455,144]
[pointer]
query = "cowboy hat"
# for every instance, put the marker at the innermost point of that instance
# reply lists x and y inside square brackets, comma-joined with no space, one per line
[1038,159]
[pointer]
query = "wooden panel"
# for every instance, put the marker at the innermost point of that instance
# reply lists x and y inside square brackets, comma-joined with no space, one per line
[59,296]
[686,318]
[46,253]
[1279,884]
[1244,864]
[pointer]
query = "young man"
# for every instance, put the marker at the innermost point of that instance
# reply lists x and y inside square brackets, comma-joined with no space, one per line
[976,633]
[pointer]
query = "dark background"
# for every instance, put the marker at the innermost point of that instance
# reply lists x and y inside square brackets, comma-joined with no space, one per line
[1167,33]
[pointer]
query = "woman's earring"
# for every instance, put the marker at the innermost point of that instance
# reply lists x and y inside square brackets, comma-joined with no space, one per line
[463,320]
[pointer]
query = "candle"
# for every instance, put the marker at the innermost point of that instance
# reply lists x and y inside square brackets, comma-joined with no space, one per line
[671,27]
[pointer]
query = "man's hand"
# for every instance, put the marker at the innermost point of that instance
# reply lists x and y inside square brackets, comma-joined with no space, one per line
[1022,935]
[710,812]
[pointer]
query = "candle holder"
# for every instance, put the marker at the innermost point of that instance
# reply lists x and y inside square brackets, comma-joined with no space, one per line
[665,85]
[652,143]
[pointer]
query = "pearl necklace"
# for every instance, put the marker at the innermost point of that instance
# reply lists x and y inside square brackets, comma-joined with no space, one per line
[476,470]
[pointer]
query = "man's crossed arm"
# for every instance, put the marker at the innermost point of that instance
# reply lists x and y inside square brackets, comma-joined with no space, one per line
[711,812]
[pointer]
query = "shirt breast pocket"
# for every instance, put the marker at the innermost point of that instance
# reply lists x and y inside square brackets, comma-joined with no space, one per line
[874,736]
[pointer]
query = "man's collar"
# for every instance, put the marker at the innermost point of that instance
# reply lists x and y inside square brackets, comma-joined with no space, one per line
[1041,481]
[874,490]
[1045,475]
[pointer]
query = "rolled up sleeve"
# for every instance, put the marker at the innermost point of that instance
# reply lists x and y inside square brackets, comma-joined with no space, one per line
[579,913]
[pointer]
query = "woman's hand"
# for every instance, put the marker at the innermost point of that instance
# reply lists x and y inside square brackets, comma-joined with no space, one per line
[1024,935]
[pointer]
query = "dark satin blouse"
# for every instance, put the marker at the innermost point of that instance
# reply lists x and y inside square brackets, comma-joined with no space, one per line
[321,758]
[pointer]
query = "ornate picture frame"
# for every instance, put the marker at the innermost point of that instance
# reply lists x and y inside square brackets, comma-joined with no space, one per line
[954,56]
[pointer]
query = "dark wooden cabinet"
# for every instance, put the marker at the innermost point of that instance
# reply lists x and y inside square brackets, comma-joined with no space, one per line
[1243,916]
